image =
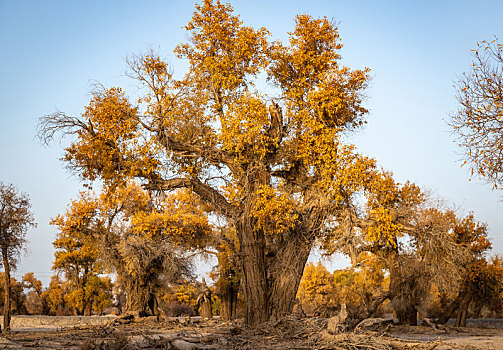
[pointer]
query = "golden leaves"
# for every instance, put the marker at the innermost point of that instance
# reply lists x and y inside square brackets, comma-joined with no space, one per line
[385,200]
[274,212]
[223,52]
[180,216]
[110,145]
[243,133]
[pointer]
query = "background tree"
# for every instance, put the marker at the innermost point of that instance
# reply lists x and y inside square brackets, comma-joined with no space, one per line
[15,220]
[99,291]
[140,239]
[398,225]
[323,293]
[316,294]
[276,169]
[478,123]
[358,286]
[36,299]
[481,280]
[55,296]
[17,296]
[76,255]
[226,273]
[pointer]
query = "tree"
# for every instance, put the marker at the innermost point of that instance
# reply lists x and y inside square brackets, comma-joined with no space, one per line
[481,280]
[477,123]
[99,291]
[323,293]
[55,296]
[358,286]
[39,303]
[316,289]
[15,220]
[17,296]
[76,255]
[226,274]
[276,169]
[124,231]
[409,233]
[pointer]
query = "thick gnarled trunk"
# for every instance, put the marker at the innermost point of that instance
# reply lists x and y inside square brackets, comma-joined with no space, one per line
[403,293]
[454,306]
[270,283]
[285,272]
[253,271]
[140,299]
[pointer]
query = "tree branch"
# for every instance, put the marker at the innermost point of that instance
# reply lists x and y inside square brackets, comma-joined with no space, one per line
[206,192]
[213,155]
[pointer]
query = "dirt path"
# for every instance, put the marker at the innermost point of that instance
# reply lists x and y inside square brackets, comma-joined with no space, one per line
[451,337]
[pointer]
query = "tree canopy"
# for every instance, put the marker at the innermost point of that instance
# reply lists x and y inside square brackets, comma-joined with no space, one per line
[477,123]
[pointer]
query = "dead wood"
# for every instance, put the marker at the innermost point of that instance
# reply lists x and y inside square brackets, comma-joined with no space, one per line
[371,322]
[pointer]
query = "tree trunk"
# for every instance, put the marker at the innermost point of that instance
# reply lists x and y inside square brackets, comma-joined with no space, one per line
[372,308]
[138,297]
[477,309]
[462,312]
[206,312]
[253,271]
[270,283]
[46,309]
[228,301]
[403,294]
[455,305]
[449,311]
[285,272]
[88,309]
[7,301]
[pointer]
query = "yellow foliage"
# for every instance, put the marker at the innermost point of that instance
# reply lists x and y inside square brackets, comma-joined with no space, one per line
[274,212]
[223,52]
[315,287]
[323,292]
[187,294]
[180,215]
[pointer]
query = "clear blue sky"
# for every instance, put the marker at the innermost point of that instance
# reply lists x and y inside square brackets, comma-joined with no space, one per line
[50,52]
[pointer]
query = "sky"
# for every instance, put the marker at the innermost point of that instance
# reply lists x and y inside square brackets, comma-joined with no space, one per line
[51,52]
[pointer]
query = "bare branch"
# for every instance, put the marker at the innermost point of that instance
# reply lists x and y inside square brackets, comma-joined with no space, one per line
[58,122]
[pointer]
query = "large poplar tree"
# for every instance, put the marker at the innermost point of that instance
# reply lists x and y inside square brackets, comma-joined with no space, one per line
[275,167]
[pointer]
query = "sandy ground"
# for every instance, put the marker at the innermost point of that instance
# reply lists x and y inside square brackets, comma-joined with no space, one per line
[460,338]
[45,332]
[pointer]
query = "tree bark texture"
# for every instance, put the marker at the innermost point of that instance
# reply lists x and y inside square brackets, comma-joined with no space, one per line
[7,301]
[270,279]
[463,311]
[285,272]
[452,308]
[253,272]
[403,294]
[140,299]
[228,302]
[206,312]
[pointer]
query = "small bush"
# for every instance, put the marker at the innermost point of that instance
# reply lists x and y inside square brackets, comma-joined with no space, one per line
[176,309]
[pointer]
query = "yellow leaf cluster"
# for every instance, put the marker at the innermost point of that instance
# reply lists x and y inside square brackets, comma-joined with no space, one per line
[274,212]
